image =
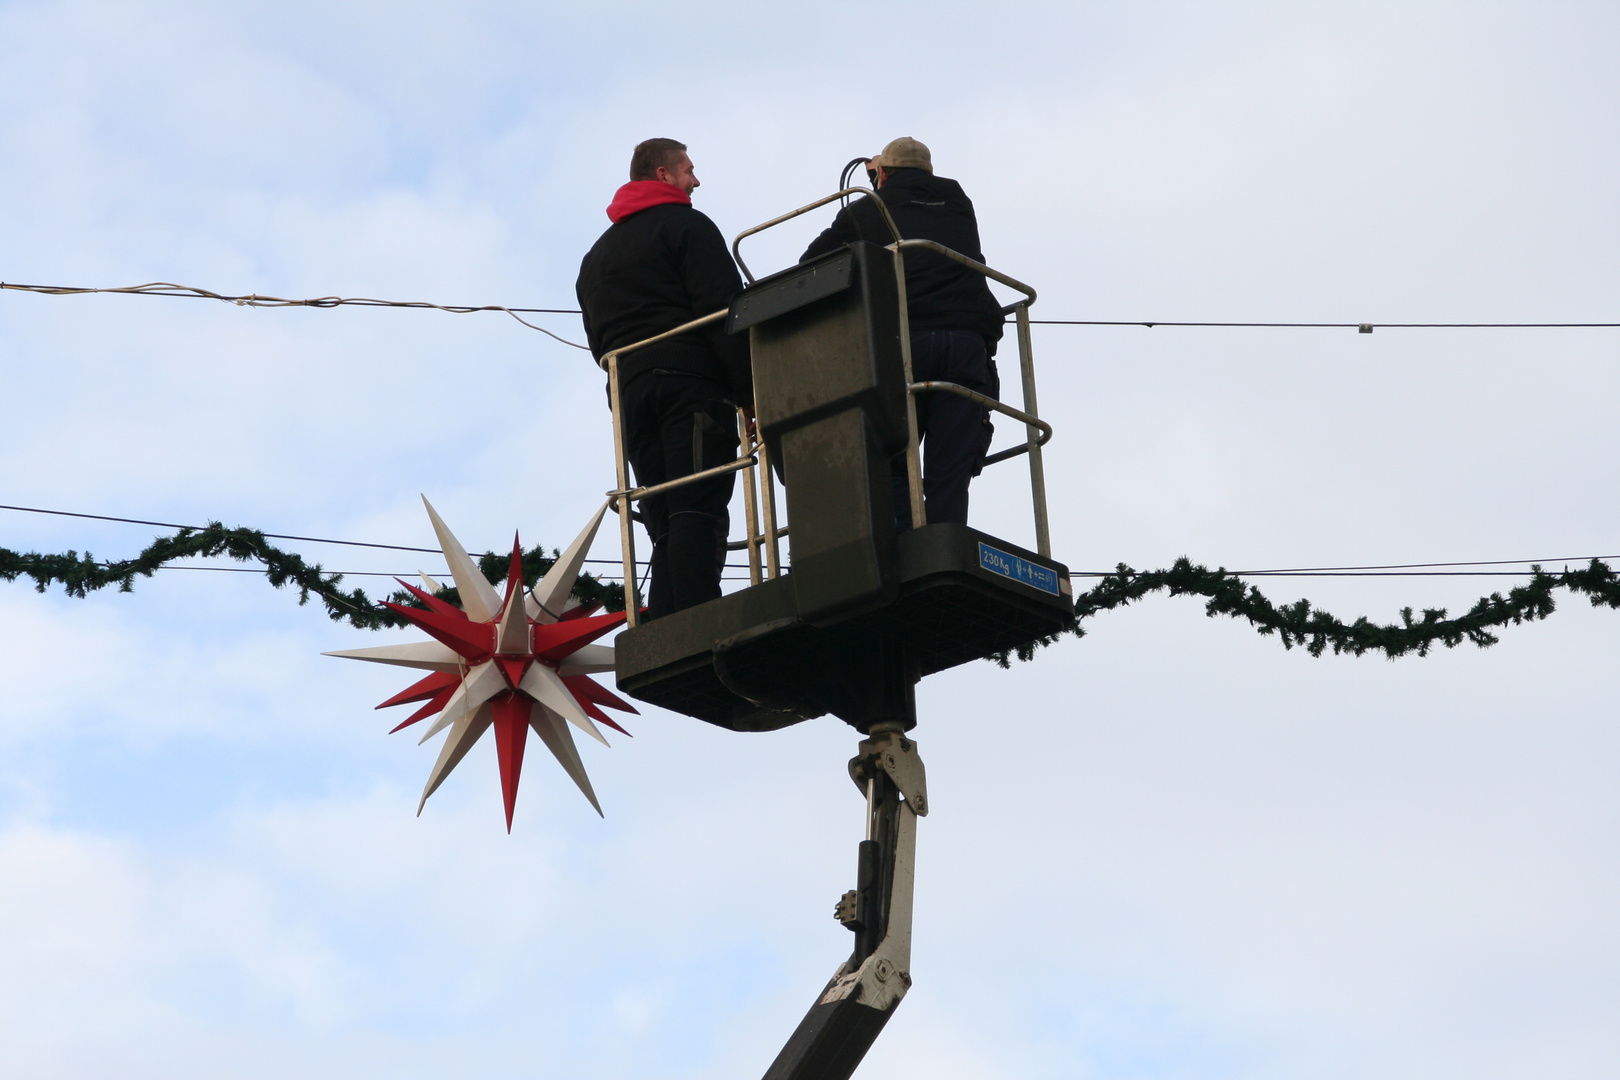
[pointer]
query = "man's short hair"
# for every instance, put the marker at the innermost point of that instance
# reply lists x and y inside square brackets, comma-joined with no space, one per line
[655,154]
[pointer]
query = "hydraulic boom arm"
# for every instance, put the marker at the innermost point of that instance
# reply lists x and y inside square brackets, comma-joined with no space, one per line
[863,993]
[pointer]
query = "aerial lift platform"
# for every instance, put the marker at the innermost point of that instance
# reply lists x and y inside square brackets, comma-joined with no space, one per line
[862,610]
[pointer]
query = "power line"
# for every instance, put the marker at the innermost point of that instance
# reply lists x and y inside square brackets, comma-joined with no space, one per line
[355,573]
[268,536]
[1365,328]
[164,288]
[1344,573]
[1421,565]
[1423,569]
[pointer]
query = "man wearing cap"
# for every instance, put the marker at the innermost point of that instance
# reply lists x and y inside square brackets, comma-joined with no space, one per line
[955,321]
[663,263]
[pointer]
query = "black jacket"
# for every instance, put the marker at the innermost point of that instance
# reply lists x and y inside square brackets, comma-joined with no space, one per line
[940,294]
[651,272]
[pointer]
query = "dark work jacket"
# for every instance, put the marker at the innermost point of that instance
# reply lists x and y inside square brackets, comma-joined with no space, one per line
[652,271]
[940,294]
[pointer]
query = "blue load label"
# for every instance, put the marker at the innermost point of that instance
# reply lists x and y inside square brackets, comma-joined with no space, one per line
[1022,570]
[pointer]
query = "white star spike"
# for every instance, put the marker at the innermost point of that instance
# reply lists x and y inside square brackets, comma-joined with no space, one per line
[463,734]
[506,664]
[552,593]
[417,654]
[553,731]
[591,660]
[544,685]
[512,632]
[480,684]
[478,597]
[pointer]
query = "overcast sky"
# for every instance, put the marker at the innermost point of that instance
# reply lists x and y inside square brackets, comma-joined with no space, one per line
[1169,850]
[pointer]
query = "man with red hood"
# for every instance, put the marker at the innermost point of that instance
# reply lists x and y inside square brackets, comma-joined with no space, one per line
[663,263]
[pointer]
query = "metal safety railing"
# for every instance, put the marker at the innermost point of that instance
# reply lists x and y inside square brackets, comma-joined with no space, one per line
[763,539]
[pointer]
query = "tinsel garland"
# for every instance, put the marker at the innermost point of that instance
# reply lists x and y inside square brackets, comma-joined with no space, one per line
[1299,623]
[80,575]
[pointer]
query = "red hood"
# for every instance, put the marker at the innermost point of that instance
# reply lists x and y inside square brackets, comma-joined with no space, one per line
[638,195]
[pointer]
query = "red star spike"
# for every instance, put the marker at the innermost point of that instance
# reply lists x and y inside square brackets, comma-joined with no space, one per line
[425,688]
[511,731]
[497,662]
[435,704]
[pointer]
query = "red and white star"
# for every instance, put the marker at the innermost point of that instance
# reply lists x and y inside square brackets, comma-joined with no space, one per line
[510,663]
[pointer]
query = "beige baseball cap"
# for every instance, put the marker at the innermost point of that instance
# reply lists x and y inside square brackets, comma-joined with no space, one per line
[905,153]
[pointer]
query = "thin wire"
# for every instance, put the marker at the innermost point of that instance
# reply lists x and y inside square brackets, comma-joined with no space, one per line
[355,573]
[1381,570]
[279,536]
[1390,569]
[1363,327]
[1424,565]
[1344,573]
[165,288]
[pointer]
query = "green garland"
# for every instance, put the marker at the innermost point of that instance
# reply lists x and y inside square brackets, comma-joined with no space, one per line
[1228,594]
[1300,623]
[80,575]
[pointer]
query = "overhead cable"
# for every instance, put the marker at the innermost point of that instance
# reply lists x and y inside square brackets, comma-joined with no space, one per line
[273,536]
[163,288]
[1428,569]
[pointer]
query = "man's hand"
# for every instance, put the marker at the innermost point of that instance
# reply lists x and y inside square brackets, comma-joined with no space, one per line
[748,423]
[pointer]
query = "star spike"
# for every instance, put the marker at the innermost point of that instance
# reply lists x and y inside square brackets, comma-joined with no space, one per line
[553,731]
[436,704]
[511,720]
[443,607]
[472,641]
[601,717]
[478,596]
[590,660]
[424,688]
[579,611]
[551,594]
[587,689]
[512,637]
[432,586]
[482,683]
[556,641]
[546,687]
[467,731]
[432,655]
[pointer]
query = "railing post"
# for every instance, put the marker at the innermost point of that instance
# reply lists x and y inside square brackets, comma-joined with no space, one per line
[621,465]
[914,482]
[773,547]
[1037,471]
[750,503]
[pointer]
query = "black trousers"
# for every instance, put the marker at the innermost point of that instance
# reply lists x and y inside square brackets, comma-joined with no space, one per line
[676,425]
[954,432]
